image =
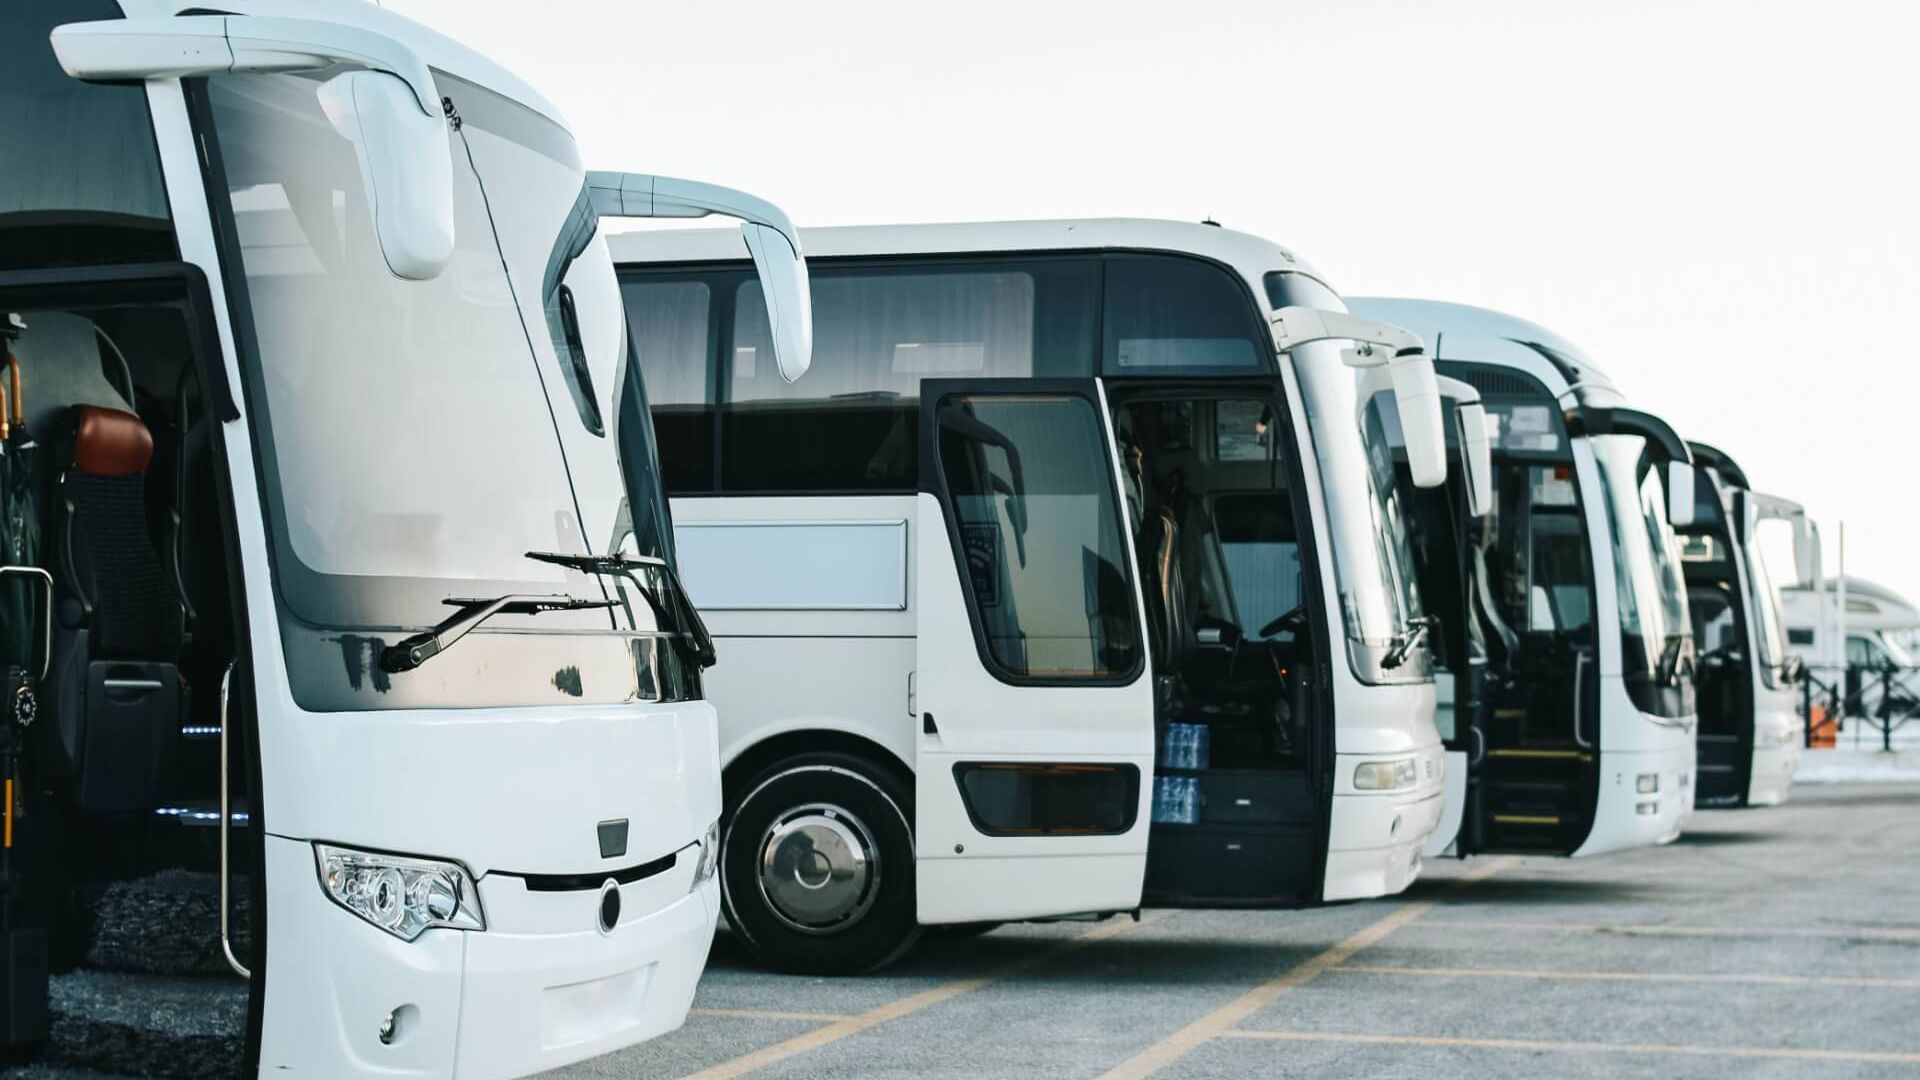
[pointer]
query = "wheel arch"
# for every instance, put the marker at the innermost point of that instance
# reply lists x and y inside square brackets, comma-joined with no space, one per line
[750,761]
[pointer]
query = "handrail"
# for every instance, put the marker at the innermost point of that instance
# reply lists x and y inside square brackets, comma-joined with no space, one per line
[1580,699]
[226,824]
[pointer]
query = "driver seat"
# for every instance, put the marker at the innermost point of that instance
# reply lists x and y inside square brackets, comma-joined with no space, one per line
[114,688]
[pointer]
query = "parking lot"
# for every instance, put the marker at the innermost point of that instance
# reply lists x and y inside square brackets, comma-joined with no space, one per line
[1777,942]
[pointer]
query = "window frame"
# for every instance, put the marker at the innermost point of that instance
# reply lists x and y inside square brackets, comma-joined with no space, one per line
[932,481]
[724,279]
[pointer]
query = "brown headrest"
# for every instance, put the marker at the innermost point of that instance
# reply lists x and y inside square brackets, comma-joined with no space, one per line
[108,442]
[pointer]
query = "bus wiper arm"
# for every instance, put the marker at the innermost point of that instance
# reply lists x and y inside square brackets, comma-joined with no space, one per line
[1405,640]
[410,652]
[683,617]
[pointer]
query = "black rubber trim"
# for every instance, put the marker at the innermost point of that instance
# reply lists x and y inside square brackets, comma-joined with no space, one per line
[591,880]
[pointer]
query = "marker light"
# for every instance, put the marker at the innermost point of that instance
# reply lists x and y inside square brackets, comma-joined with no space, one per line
[1646,809]
[709,860]
[401,895]
[1647,783]
[1385,775]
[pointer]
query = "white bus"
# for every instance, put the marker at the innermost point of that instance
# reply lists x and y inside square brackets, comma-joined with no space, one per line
[1567,647]
[347,748]
[1053,489]
[1749,704]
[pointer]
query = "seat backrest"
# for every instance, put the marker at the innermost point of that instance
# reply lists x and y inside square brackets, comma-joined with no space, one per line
[1165,586]
[108,562]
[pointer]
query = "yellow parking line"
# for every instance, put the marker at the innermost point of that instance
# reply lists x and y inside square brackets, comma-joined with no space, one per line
[1223,1019]
[1864,933]
[853,1025]
[1767,1052]
[771,1014]
[1641,976]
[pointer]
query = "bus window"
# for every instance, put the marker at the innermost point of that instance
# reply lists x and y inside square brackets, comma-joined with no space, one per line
[1164,312]
[669,322]
[850,425]
[1039,535]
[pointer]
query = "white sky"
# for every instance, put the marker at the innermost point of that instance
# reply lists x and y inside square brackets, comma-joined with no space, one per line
[1715,198]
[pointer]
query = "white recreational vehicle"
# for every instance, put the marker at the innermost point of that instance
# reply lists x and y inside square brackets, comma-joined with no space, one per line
[340,738]
[1749,702]
[1567,650]
[1052,491]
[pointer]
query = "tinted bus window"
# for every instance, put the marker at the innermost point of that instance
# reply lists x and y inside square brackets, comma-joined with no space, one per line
[670,326]
[852,423]
[1039,535]
[1165,312]
[82,183]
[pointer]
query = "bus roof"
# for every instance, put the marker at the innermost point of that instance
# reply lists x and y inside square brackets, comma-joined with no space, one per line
[1252,256]
[1452,329]
[439,51]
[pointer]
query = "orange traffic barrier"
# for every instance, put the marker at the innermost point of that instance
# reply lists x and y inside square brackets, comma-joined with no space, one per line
[1823,728]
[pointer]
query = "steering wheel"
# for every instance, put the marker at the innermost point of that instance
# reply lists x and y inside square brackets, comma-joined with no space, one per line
[1292,620]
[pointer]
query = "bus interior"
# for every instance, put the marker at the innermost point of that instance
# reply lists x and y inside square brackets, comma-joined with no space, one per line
[1237,800]
[114,756]
[1513,593]
[1724,679]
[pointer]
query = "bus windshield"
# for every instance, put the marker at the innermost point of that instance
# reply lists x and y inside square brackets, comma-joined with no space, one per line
[1366,522]
[1655,636]
[380,510]
[1770,646]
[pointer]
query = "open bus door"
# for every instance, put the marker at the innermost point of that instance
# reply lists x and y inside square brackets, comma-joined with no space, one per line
[1032,691]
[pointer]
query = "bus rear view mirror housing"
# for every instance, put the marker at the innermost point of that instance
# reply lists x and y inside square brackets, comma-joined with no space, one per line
[1416,391]
[388,108]
[1680,480]
[770,236]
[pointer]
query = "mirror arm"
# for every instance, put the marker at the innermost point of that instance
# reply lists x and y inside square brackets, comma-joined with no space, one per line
[1661,438]
[182,46]
[640,195]
[1295,326]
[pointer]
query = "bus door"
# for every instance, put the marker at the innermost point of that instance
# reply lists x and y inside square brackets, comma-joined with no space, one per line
[1032,696]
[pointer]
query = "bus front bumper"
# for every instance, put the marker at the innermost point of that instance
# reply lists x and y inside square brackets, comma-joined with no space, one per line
[1375,839]
[546,987]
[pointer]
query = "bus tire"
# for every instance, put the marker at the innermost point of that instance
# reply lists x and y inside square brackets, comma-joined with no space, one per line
[816,866]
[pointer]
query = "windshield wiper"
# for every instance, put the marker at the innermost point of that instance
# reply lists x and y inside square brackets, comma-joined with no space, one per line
[1405,640]
[1667,671]
[675,612]
[411,652]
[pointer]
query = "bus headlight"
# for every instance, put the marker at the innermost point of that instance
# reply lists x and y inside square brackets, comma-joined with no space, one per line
[1385,775]
[403,896]
[709,861]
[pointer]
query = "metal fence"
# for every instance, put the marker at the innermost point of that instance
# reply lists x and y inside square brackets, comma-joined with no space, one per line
[1880,699]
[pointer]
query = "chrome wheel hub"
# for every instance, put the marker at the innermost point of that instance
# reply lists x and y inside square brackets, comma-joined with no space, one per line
[819,868]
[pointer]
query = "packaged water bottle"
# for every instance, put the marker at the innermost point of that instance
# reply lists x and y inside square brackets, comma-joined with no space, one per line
[1189,801]
[1177,748]
[1162,799]
[1202,747]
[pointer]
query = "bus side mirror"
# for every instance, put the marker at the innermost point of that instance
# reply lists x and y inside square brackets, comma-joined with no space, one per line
[406,165]
[1416,394]
[1476,457]
[388,107]
[1680,477]
[1806,549]
[771,239]
[783,280]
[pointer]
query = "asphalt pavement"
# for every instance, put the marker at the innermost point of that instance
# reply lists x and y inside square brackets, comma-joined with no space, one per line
[1777,942]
